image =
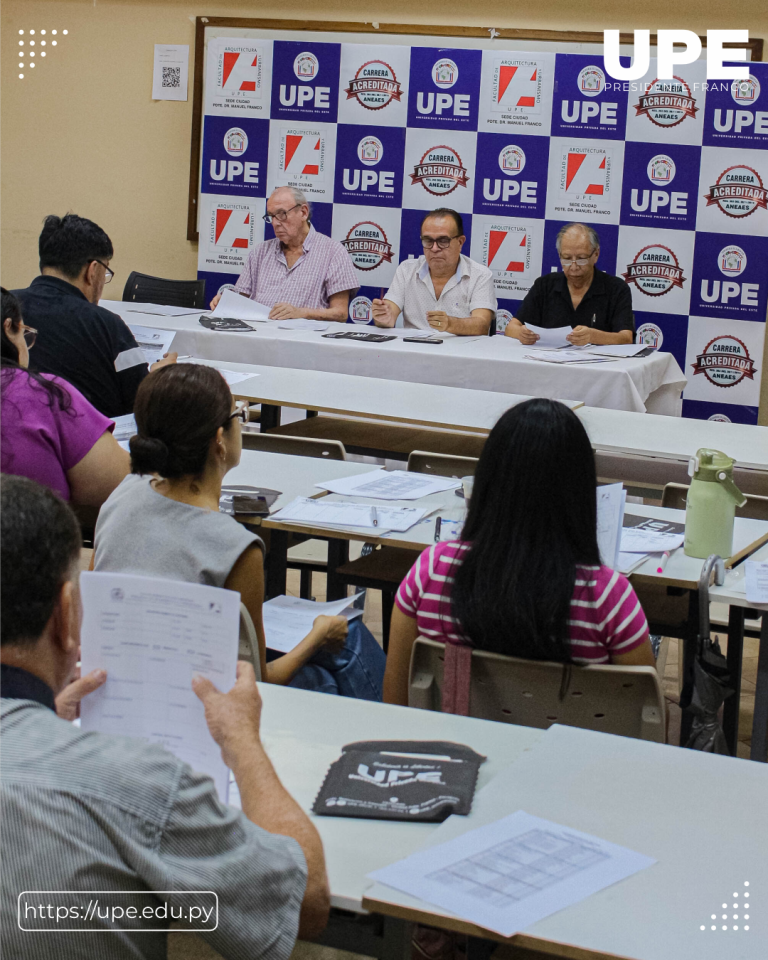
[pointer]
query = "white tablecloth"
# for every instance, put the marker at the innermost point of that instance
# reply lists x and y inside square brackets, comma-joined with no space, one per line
[653,384]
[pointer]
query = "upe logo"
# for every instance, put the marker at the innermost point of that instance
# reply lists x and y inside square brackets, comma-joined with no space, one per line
[725,362]
[746,91]
[516,86]
[655,271]
[667,102]
[231,226]
[512,160]
[738,192]
[440,171]
[445,73]
[507,250]
[302,153]
[367,245]
[235,142]
[586,172]
[374,86]
[720,418]
[306,66]
[361,310]
[661,169]
[591,81]
[732,261]
[239,69]
[370,150]
[650,334]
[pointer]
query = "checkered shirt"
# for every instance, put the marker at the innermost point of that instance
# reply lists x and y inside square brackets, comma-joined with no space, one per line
[470,288]
[323,269]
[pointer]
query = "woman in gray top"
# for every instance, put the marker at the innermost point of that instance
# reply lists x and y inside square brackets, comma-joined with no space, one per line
[164,521]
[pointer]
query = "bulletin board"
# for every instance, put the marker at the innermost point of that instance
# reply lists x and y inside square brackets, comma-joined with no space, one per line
[520,132]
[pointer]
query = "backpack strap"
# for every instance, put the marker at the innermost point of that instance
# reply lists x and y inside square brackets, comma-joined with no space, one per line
[457,674]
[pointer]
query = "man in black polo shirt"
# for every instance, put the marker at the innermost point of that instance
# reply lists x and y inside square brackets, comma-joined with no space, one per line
[596,305]
[77,339]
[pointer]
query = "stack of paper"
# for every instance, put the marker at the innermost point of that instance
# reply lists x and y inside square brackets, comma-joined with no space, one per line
[390,485]
[343,513]
[287,620]
[566,356]
[552,338]
[301,323]
[232,306]
[152,343]
[618,349]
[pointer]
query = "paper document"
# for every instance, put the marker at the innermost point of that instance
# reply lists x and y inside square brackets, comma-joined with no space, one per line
[157,309]
[611,499]
[639,540]
[233,306]
[342,513]
[170,73]
[573,355]
[552,338]
[617,349]
[756,579]
[509,874]
[628,562]
[231,376]
[125,428]
[301,323]
[450,529]
[153,343]
[390,485]
[152,636]
[287,620]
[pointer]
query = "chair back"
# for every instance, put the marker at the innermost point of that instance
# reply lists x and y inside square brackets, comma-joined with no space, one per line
[441,464]
[141,288]
[249,642]
[296,446]
[627,701]
[675,494]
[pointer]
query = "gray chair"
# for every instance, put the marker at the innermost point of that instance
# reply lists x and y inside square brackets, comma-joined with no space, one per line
[295,446]
[627,701]
[142,288]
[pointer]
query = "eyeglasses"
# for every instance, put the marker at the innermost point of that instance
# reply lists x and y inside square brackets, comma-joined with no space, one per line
[581,262]
[30,335]
[442,242]
[240,412]
[108,273]
[281,215]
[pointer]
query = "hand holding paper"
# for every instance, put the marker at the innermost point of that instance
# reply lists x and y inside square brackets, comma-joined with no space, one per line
[232,306]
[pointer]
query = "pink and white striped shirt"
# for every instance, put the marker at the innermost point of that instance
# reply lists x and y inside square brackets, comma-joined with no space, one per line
[606,616]
[323,269]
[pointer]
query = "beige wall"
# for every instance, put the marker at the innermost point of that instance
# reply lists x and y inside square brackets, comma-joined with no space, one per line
[82,133]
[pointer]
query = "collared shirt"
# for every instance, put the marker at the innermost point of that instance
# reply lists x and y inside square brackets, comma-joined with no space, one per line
[324,268]
[470,288]
[607,304]
[89,812]
[83,343]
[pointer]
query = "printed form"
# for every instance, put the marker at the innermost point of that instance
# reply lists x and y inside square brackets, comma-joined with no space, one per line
[390,485]
[152,636]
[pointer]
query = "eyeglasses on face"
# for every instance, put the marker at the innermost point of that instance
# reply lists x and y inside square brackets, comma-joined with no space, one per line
[442,242]
[108,274]
[281,215]
[30,335]
[240,412]
[580,262]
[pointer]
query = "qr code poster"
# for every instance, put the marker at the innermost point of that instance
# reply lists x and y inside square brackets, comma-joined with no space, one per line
[170,74]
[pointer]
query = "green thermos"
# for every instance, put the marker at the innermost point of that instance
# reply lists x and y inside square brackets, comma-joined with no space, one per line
[711,505]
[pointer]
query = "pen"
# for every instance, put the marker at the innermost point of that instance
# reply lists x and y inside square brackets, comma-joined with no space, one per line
[374,517]
[592,321]
[185,356]
[663,561]
[438,524]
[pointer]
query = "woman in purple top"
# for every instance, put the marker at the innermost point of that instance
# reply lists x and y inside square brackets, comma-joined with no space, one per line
[50,432]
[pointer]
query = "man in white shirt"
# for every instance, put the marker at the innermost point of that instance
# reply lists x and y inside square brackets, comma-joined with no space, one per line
[443,291]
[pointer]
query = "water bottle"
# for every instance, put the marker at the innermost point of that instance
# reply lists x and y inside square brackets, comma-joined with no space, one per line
[711,505]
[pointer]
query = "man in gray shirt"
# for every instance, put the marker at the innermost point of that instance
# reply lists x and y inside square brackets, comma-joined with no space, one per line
[85,812]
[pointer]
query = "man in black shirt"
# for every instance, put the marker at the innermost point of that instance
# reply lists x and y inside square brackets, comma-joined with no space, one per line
[596,305]
[77,339]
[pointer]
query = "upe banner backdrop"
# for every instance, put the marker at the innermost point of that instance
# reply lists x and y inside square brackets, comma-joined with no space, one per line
[673,175]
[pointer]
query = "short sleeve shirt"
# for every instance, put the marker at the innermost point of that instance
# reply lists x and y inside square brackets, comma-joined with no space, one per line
[85,344]
[323,269]
[38,439]
[607,305]
[470,288]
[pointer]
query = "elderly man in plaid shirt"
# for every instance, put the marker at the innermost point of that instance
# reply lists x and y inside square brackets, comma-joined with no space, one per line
[301,273]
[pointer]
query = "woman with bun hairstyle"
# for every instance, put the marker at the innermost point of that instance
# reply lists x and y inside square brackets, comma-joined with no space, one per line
[164,521]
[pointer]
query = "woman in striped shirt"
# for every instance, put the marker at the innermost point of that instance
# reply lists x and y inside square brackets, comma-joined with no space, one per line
[526,579]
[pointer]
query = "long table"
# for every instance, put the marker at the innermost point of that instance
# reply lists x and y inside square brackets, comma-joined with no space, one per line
[652,384]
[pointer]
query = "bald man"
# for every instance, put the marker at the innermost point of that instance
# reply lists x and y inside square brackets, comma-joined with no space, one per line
[596,305]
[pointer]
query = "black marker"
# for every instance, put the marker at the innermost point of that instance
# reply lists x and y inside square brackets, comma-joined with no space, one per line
[438,524]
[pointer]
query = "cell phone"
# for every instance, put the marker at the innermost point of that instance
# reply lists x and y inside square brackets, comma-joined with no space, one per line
[422,340]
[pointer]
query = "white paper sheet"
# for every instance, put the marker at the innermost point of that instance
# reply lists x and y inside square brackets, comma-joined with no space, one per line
[635,540]
[233,306]
[628,562]
[343,513]
[756,580]
[125,428]
[231,376]
[566,356]
[287,620]
[301,323]
[611,499]
[617,349]
[509,874]
[152,636]
[155,309]
[153,343]
[390,485]
[552,338]
[170,73]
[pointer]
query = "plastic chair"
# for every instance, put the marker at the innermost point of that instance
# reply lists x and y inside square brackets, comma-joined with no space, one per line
[249,642]
[141,288]
[441,464]
[295,446]
[627,701]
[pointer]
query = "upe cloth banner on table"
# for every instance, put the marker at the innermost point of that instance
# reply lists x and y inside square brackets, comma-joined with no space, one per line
[673,175]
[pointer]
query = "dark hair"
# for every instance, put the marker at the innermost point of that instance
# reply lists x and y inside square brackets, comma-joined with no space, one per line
[445,212]
[70,243]
[532,518]
[178,409]
[40,543]
[9,356]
